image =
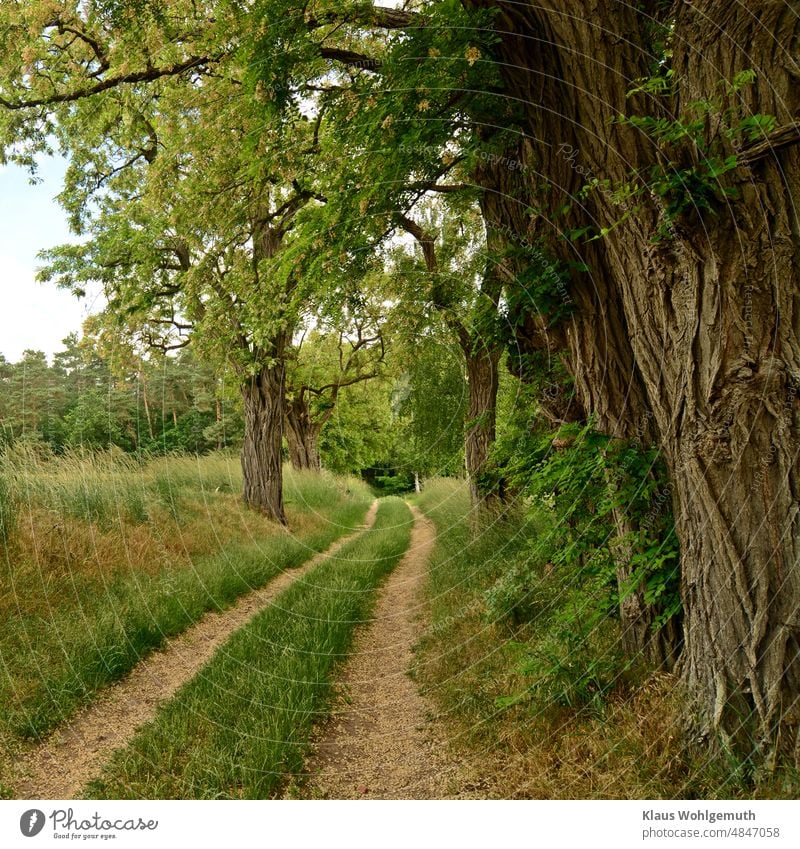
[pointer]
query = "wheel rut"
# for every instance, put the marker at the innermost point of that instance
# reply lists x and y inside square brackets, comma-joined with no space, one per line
[60,766]
[380,742]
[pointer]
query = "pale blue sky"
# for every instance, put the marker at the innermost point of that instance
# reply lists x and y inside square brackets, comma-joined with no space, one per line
[33,315]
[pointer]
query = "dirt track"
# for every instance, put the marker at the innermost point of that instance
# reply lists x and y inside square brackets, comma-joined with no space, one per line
[60,766]
[380,743]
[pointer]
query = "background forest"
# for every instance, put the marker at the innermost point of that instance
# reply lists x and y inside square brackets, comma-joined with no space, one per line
[406,421]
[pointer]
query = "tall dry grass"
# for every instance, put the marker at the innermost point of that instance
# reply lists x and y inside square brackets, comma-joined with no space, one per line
[102,557]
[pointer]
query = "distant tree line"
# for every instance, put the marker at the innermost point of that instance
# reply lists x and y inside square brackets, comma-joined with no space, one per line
[83,400]
[389,425]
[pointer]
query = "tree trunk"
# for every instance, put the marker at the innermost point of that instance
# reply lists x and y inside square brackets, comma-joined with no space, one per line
[726,404]
[722,297]
[263,436]
[593,341]
[146,402]
[727,308]
[302,436]
[482,381]
[714,311]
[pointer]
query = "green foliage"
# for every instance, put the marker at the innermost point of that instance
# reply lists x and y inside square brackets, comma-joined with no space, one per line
[570,668]
[696,151]
[584,478]
[8,510]
[94,399]
[89,425]
[359,433]
[397,484]
[73,627]
[601,500]
[430,402]
[540,288]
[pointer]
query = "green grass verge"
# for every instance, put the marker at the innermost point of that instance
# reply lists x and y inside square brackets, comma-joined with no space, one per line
[467,661]
[518,689]
[54,661]
[241,727]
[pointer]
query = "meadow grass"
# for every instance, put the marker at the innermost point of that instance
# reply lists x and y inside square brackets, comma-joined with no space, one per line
[241,727]
[104,559]
[522,741]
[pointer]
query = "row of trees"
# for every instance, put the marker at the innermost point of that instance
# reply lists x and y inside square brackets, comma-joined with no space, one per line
[350,414]
[84,400]
[606,196]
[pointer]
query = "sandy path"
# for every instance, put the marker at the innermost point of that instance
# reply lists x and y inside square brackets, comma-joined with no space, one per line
[60,766]
[380,743]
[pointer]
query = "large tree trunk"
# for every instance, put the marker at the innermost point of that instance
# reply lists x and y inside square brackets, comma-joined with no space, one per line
[302,436]
[726,307]
[482,381]
[722,297]
[726,403]
[715,317]
[262,468]
[593,342]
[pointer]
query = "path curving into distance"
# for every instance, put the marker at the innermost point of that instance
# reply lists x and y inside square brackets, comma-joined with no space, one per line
[380,742]
[65,762]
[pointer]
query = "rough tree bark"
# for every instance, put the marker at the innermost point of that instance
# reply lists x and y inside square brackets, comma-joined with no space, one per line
[264,392]
[734,431]
[263,396]
[714,315]
[593,341]
[302,435]
[479,435]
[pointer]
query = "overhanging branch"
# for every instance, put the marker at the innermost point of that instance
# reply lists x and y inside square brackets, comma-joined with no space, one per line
[779,139]
[149,74]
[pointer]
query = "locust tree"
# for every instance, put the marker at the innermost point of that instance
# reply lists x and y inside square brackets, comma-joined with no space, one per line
[320,365]
[187,206]
[409,131]
[659,157]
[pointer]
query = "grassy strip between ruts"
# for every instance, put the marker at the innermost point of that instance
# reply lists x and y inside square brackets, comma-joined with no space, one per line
[241,727]
[56,661]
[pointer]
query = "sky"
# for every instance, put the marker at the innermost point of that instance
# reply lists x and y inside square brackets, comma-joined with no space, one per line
[33,315]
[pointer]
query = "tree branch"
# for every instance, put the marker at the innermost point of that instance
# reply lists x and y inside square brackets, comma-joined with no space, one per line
[350,57]
[340,384]
[149,74]
[446,188]
[381,17]
[428,245]
[425,240]
[778,139]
